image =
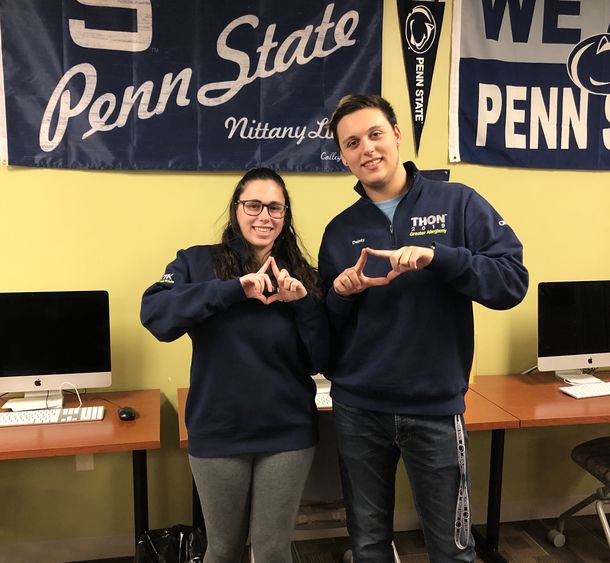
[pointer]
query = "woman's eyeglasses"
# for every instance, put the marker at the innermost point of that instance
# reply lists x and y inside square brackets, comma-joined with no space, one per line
[254,207]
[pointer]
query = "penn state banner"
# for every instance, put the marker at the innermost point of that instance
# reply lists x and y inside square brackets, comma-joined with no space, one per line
[421,22]
[530,83]
[187,85]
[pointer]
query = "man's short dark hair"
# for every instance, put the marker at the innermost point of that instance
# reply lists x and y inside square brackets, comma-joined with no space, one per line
[355,102]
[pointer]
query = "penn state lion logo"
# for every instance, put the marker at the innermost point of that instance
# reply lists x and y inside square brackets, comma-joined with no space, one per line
[420,29]
[589,64]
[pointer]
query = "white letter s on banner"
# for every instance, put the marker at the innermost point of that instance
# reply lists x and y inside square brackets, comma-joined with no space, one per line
[131,41]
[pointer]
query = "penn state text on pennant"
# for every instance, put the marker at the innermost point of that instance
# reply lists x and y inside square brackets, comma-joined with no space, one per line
[148,84]
[530,84]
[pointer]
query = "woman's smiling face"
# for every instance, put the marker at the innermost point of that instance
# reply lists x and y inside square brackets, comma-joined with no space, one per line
[260,231]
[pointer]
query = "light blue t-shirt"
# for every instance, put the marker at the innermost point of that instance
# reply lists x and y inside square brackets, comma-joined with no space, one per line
[389,206]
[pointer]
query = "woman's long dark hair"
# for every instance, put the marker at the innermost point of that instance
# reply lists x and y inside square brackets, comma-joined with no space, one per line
[286,247]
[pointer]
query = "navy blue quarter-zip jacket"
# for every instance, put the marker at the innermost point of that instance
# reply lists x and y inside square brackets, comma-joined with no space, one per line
[250,385]
[407,347]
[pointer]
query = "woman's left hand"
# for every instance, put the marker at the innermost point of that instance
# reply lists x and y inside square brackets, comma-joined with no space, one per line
[288,288]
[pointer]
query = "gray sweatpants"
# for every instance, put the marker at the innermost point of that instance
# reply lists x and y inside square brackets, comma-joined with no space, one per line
[256,494]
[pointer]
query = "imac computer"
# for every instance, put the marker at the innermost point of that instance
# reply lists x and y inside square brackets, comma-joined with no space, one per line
[573,326]
[52,341]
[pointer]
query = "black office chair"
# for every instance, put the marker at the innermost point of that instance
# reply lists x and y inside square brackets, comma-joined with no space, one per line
[594,456]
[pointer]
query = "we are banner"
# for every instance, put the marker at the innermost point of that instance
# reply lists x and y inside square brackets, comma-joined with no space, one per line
[530,83]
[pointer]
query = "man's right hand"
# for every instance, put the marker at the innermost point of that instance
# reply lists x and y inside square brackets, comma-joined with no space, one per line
[353,281]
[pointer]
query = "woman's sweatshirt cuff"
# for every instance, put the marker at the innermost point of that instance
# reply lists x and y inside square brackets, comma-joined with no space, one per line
[231,291]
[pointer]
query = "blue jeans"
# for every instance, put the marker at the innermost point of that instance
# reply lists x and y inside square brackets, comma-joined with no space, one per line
[369,445]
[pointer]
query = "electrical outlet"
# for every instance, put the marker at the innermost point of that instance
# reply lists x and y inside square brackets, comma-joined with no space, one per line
[84,462]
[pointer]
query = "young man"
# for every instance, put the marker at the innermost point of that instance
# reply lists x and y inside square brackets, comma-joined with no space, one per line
[402,267]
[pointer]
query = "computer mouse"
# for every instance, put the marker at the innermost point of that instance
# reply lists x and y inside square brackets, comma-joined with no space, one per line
[127,413]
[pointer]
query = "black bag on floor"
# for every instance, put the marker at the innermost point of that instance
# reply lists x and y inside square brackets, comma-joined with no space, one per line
[178,544]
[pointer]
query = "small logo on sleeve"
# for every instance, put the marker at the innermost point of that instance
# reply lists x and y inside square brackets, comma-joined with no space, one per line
[359,241]
[167,278]
[429,225]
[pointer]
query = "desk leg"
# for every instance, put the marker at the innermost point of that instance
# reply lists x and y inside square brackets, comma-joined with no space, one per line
[487,547]
[140,492]
[197,513]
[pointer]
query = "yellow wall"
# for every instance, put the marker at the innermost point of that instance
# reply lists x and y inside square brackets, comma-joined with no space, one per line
[64,229]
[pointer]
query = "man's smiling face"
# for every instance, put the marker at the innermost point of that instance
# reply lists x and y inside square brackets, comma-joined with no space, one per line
[369,147]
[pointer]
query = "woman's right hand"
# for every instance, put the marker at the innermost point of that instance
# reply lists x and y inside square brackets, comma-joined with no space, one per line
[255,284]
[288,288]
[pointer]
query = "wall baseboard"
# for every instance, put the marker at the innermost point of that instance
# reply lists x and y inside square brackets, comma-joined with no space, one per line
[69,549]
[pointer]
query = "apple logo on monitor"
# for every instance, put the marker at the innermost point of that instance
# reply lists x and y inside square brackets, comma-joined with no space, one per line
[38,383]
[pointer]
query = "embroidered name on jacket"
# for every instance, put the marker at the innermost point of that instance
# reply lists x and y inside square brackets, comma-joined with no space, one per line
[429,225]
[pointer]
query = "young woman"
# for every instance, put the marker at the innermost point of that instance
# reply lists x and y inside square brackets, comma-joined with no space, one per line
[252,307]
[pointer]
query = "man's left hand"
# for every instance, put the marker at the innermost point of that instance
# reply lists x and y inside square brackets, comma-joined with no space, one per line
[404,259]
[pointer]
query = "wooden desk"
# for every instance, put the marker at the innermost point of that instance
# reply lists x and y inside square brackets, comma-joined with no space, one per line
[482,414]
[107,435]
[535,400]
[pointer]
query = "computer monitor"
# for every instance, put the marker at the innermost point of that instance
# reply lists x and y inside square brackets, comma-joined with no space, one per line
[573,326]
[52,341]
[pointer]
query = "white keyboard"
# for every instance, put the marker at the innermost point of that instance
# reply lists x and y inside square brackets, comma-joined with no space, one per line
[323,400]
[51,416]
[587,390]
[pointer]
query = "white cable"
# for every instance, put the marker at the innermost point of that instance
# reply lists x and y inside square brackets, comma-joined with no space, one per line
[80,403]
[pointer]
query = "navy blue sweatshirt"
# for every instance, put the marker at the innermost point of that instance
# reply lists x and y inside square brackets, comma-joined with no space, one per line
[250,385]
[406,347]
